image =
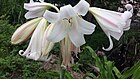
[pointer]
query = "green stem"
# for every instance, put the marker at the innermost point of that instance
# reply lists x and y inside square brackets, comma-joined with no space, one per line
[62,73]
[62,70]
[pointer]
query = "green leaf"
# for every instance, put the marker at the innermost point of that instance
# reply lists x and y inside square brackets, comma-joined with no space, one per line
[68,75]
[90,75]
[53,73]
[117,72]
[109,67]
[98,63]
[94,55]
[136,74]
[129,72]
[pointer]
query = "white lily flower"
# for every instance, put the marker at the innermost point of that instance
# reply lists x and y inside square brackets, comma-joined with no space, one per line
[67,23]
[37,9]
[111,22]
[24,31]
[68,27]
[34,50]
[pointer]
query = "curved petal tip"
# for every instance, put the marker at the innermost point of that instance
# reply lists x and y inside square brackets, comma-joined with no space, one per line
[110,46]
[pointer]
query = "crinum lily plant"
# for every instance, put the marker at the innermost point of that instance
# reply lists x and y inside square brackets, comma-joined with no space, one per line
[66,26]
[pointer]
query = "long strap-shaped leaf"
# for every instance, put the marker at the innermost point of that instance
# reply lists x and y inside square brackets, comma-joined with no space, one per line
[131,71]
[98,63]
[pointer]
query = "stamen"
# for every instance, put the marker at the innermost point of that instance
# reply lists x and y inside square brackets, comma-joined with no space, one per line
[69,21]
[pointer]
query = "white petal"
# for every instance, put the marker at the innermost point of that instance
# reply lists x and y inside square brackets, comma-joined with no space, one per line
[82,7]
[34,55]
[51,16]
[56,32]
[108,19]
[46,45]
[36,6]
[129,7]
[111,44]
[126,17]
[35,46]
[47,48]
[37,9]
[76,38]
[38,35]
[34,14]
[105,11]
[110,11]
[116,35]
[67,11]
[27,51]
[83,26]
[109,33]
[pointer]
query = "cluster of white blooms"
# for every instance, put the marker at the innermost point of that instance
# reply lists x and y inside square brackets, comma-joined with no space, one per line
[66,26]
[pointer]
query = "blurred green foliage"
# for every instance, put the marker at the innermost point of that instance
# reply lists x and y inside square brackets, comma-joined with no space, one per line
[13,9]
[107,69]
[103,68]
[107,4]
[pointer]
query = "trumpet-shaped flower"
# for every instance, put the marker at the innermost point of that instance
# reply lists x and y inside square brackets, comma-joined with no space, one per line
[37,9]
[24,31]
[111,22]
[69,28]
[39,47]
[68,23]
[36,49]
